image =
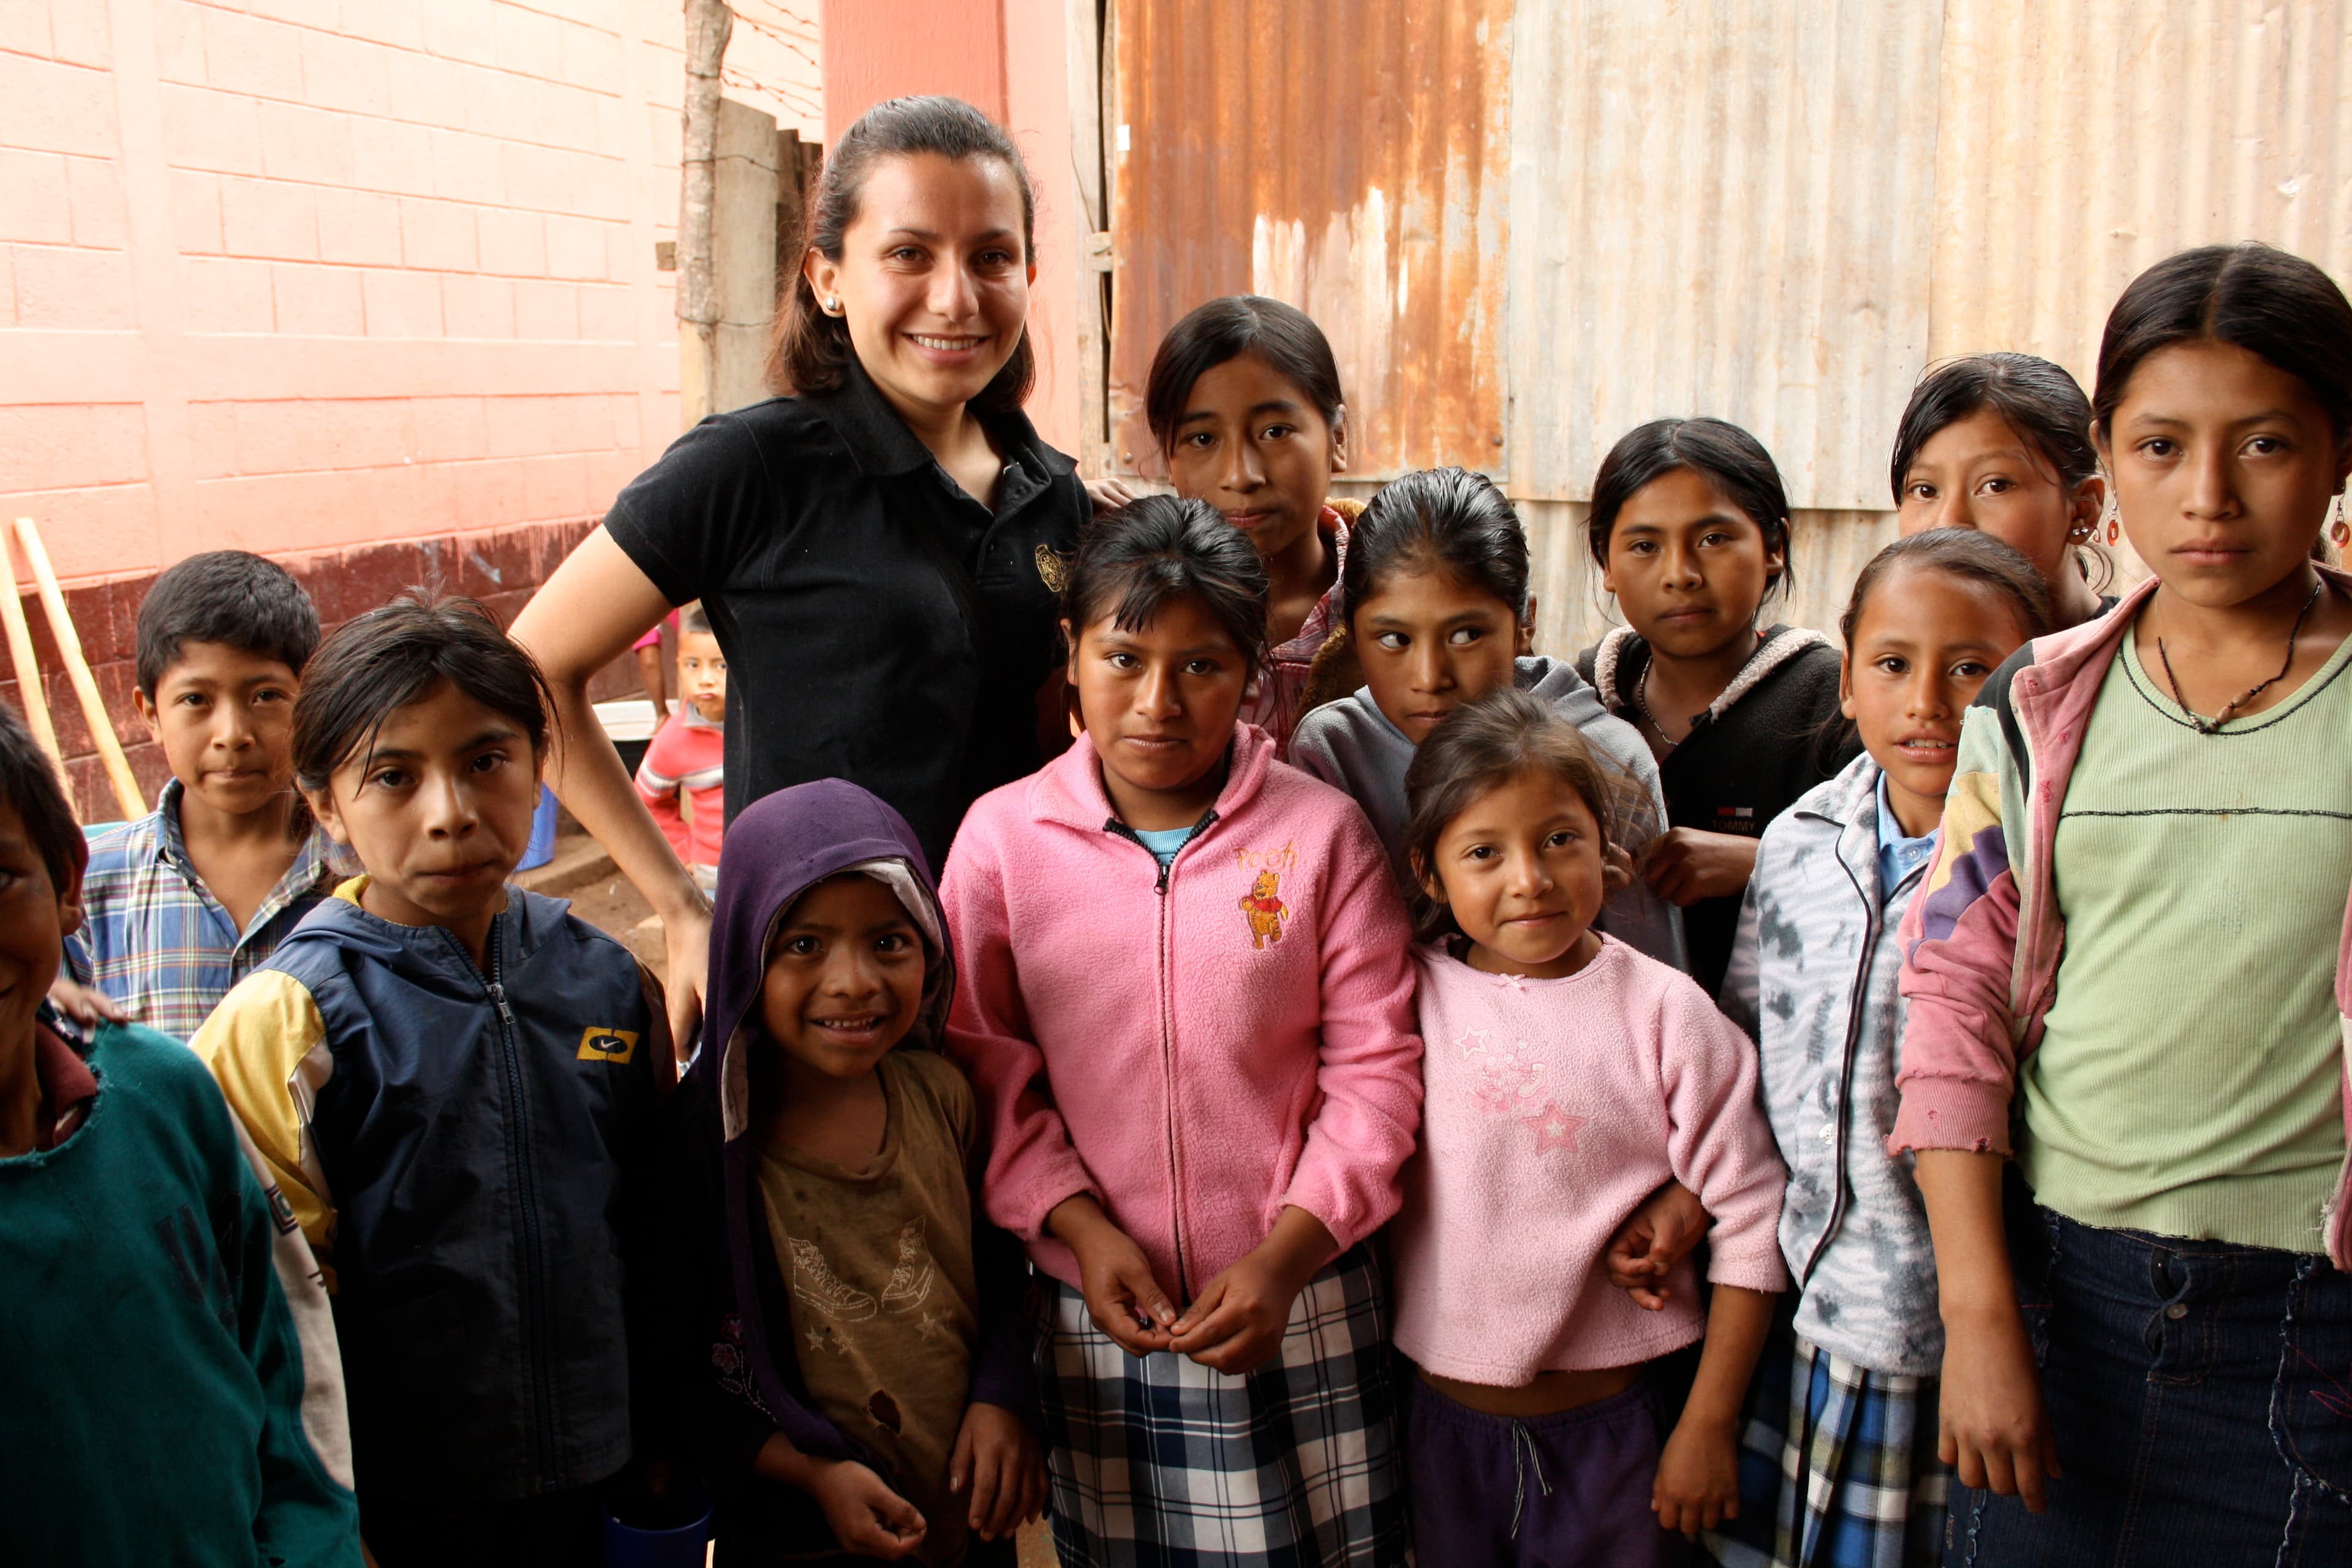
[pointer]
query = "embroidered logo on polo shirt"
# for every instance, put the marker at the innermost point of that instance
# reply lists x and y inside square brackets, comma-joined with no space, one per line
[1051,570]
[599,1044]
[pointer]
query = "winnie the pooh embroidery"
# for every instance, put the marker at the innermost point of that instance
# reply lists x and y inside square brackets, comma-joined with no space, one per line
[1265,911]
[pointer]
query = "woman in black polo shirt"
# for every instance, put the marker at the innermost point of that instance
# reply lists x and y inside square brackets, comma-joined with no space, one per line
[877,549]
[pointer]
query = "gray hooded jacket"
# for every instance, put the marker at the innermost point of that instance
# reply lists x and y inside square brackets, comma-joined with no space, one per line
[1812,981]
[1352,744]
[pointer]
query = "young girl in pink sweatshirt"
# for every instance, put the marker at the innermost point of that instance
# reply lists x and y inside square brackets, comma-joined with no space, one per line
[1568,1077]
[1187,1012]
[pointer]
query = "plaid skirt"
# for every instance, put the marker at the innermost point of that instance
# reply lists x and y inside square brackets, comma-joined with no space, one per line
[1157,1462]
[1873,1493]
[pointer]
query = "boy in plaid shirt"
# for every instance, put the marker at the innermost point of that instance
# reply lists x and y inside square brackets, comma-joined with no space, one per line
[188,899]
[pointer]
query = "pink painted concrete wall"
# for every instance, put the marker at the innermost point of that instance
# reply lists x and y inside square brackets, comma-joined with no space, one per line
[302,275]
[365,285]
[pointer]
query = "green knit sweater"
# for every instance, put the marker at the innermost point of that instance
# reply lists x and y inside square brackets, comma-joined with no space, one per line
[150,1371]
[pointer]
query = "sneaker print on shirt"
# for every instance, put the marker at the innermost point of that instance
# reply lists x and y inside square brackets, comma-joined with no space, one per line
[816,1283]
[910,1282]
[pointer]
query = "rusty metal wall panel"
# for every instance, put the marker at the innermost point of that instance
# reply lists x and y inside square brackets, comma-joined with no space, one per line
[1777,213]
[1351,159]
[1719,206]
[2083,139]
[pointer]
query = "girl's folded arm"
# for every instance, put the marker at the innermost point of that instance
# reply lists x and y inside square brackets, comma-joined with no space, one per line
[1957,1070]
[1718,1142]
[1032,1164]
[1370,1071]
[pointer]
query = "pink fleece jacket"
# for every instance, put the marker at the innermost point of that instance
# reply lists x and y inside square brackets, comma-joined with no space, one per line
[1554,1108]
[1196,1049]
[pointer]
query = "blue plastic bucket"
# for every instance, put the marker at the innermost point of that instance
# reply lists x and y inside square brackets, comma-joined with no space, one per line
[541,847]
[660,1539]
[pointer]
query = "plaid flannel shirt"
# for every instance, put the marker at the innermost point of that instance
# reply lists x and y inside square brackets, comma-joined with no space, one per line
[156,941]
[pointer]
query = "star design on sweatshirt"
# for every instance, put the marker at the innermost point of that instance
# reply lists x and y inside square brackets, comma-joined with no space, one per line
[931,1326]
[1505,1082]
[1554,1128]
[816,1338]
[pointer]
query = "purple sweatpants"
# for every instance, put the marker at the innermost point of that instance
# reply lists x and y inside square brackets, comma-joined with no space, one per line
[1554,1491]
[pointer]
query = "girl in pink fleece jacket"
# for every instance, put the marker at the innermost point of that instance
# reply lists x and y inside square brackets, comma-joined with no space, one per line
[1568,1077]
[1187,1012]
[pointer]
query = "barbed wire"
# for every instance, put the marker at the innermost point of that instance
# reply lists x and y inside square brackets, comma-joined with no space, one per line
[791,18]
[779,38]
[798,97]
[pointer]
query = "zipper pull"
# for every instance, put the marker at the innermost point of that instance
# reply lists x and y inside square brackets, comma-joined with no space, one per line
[498,996]
[1162,888]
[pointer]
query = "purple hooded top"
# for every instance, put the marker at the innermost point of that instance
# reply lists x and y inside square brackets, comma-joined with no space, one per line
[742,1384]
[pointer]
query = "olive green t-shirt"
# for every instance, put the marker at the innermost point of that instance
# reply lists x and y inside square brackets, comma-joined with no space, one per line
[877,1271]
[2188,1081]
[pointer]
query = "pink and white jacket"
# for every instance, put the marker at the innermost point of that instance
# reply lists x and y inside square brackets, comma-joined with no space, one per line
[1196,1048]
[1984,933]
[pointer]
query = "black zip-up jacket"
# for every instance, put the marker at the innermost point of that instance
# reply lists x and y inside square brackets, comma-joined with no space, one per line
[479,1140]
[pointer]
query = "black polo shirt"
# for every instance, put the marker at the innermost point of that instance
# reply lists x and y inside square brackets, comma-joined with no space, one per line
[880,626]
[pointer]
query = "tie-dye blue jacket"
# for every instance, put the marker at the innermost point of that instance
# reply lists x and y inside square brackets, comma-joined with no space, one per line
[1813,981]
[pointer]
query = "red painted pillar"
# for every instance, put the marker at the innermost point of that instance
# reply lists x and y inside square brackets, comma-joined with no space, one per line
[875,49]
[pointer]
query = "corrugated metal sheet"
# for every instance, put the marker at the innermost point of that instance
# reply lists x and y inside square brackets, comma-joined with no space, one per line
[1719,208]
[1779,211]
[1350,159]
[2081,141]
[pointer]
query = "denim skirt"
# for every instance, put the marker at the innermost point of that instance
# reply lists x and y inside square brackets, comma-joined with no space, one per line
[2201,1398]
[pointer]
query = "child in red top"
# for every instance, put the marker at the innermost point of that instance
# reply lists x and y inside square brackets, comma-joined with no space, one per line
[680,776]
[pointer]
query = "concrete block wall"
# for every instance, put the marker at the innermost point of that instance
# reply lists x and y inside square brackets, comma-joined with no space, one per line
[364,286]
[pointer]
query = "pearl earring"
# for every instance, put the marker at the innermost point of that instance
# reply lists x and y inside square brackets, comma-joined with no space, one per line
[833,305]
